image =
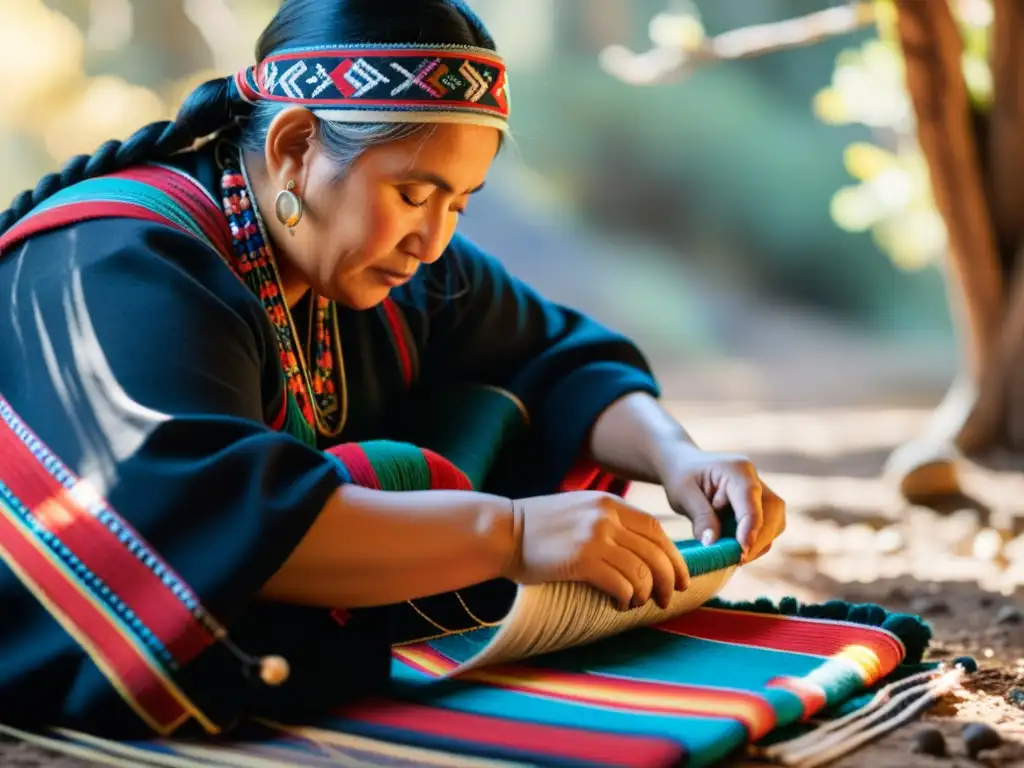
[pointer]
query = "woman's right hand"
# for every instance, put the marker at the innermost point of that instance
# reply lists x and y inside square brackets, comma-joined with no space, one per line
[599,539]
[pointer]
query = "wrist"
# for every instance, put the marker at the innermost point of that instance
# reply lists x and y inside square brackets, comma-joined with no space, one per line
[666,453]
[499,526]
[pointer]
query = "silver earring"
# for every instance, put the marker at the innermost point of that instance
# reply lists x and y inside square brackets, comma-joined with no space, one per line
[288,206]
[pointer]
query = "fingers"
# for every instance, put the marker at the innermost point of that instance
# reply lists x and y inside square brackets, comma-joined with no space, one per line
[774,523]
[606,577]
[648,528]
[744,493]
[664,576]
[634,570]
[697,507]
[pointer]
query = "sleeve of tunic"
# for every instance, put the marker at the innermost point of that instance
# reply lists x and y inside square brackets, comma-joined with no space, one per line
[490,327]
[150,371]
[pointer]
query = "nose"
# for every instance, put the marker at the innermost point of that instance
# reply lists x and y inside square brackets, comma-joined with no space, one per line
[429,241]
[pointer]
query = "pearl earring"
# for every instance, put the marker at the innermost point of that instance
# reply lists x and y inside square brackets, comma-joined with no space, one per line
[288,206]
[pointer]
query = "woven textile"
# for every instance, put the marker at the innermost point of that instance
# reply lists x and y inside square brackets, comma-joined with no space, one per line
[688,692]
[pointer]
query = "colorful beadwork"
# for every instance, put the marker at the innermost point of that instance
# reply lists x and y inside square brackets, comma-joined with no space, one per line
[313,388]
[395,83]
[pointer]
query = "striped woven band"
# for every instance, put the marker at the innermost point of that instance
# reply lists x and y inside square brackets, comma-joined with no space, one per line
[398,84]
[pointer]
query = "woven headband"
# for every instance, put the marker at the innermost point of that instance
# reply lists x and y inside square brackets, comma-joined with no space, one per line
[396,84]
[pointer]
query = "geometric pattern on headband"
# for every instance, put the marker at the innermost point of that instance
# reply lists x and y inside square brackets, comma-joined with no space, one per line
[384,79]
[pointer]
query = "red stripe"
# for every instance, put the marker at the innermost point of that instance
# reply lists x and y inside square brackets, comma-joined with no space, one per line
[811,696]
[101,551]
[122,658]
[393,314]
[585,475]
[282,414]
[189,196]
[755,712]
[584,745]
[358,464]
[426,106]
[73,213]
[785,633]
[444,475]
[376,53]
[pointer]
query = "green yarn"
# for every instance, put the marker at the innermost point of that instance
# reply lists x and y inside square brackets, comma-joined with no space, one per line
[913,632]
[701,560]
[295,423]
[398,466]
[468,425]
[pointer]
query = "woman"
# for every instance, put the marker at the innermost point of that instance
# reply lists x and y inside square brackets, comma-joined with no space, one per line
[196,340]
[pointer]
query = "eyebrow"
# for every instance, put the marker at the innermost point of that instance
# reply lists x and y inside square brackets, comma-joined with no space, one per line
[439,181]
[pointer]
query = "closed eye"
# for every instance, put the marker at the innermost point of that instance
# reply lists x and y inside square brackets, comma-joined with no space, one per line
[409,201]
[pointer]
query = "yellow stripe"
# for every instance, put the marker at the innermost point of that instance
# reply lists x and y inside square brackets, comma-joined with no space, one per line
[595,689]
[71,628]
[865,659]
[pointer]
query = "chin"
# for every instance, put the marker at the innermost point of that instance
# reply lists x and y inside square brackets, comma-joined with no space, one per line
[361,300]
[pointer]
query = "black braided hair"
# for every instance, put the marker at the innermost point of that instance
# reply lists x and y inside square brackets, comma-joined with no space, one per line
[209,108]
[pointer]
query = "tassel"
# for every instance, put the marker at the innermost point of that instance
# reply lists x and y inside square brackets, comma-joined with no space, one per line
[893,705]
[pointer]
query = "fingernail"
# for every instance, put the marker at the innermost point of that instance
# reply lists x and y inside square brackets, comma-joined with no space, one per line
[707,538]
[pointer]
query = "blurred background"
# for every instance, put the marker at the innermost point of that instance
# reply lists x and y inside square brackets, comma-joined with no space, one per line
[763,211]
[763,226]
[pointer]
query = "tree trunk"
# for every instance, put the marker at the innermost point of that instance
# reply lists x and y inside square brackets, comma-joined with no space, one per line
[1006,171]
[932,50]
[981,198]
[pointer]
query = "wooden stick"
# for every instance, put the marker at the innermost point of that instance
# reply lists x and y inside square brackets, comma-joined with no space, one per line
[664,64]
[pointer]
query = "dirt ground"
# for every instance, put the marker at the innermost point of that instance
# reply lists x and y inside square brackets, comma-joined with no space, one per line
[958,563]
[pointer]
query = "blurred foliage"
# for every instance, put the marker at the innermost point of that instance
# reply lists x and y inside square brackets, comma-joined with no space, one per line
[80,72]
[730,169]
[892,198]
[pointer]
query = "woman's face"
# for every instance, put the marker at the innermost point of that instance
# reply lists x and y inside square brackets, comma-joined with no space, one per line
[368,231]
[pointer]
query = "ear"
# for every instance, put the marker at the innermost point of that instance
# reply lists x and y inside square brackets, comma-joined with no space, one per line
[289,146]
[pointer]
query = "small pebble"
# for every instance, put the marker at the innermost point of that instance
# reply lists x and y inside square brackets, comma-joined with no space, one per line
[979,737]
[929,741]
[897,595]
[1016,697]
[1009,614]
[929,606]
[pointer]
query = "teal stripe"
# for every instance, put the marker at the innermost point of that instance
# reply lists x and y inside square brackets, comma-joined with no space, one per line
[707,739]
[105,190]
[399,466]
[718,556]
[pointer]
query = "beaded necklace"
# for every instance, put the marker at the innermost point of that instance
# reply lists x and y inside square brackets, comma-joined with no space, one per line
[312,390]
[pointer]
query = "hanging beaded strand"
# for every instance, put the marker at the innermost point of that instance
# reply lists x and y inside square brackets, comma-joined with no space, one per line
[314,390]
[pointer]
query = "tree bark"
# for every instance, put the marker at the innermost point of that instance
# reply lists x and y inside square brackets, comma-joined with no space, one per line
[932,50]
[974,409]
[1006,172]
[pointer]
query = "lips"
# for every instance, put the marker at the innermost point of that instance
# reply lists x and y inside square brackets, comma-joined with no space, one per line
[392,278]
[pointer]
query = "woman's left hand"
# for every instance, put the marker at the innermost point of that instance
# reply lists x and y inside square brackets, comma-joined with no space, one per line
[700,484]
